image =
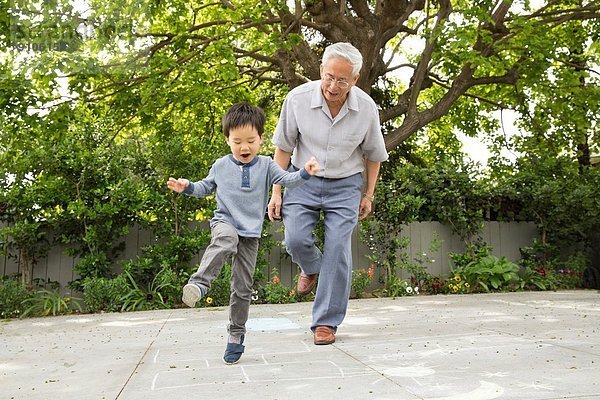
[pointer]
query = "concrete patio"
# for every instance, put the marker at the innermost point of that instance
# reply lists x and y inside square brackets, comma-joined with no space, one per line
[530,345]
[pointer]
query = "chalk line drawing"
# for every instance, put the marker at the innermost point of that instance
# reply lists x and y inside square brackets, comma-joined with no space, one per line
[485,391]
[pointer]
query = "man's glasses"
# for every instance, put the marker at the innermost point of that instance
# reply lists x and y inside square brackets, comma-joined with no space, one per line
[342,84]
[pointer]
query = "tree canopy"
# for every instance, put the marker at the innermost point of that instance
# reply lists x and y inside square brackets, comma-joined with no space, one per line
[148,55]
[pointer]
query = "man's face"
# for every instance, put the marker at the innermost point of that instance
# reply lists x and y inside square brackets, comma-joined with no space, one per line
[244,143]
[337,80]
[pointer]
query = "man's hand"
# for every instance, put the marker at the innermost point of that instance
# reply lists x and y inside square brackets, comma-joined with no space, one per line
[312,166]
[178,185]
[274,207]
[365,208]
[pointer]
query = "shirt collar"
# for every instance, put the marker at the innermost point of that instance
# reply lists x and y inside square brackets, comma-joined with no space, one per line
[238,162]
[318,101]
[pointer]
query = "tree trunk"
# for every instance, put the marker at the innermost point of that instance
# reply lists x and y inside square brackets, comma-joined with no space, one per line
[26,269]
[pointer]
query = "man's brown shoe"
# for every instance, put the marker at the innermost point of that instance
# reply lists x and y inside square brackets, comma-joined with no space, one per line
[324,335]
[306,283]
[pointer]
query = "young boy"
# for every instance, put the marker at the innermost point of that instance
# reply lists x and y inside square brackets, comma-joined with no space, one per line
[242,181]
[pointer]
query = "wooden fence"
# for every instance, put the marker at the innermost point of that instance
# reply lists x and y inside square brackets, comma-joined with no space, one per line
[505,238]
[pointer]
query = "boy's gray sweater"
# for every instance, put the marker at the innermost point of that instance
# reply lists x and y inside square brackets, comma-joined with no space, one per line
[242,190]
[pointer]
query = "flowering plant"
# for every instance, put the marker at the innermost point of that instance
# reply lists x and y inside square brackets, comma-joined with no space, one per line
[429,283]
[397,287]
[489,273]
[457,285]
[361,280]
[278,293]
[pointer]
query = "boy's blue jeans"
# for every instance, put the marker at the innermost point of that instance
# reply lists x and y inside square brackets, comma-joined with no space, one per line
[224,244]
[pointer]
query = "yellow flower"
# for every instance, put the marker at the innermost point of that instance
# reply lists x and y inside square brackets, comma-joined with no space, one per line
[209,300]
[455,288]
[457,278]
[467,284]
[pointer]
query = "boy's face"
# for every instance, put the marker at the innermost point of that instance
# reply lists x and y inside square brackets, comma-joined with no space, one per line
[244,143]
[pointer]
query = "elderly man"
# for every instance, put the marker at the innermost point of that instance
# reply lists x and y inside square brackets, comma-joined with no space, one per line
[337,123]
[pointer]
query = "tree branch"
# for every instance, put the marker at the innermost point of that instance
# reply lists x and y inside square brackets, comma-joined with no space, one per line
[423,64]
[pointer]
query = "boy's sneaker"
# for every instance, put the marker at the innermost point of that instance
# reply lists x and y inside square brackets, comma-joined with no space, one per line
[191,295]
[233,352]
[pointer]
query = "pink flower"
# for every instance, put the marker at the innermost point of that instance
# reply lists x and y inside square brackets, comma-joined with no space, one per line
[275,280]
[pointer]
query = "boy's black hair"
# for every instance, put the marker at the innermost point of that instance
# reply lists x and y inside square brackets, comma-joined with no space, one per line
[244,114]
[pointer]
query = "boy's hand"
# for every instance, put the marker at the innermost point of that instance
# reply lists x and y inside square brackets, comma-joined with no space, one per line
[178,185]
[312,166]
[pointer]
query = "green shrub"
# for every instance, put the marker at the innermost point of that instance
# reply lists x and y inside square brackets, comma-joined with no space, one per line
[219,293]
[397,287]
[474,251]
[46,302]
[90,266]
[278,293]
[490,272]
[102,294]
[539,278]
[551,273]
[176,255]
[147,297]
[12,295]
[172,284]
[361,280]
[570,272]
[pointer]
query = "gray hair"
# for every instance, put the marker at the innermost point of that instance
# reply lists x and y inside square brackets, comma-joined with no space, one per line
[346,52]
